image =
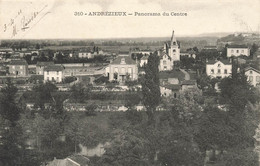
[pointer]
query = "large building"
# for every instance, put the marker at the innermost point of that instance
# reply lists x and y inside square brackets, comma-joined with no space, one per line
[18,68]
[53,73]
[123,68]
[170,54]
[237,50]
[218,69]
[253,76]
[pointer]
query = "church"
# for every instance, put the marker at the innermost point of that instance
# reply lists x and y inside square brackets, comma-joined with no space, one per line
[169,54]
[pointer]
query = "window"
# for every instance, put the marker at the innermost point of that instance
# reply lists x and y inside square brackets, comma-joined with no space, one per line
[164,62]
[123,70]
[250,78]
[173,50]
[251,72]
[47,72]
[232,51]
[237,51]
[122,61]
[242,51]
[57,72]
[57,79]
[225,71]
[165,68]
[219,65]
[257,78]
[47,78]
[212,71]
[130,70]
[219,71]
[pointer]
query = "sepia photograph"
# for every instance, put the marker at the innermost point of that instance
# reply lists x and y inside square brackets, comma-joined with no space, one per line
[129,83]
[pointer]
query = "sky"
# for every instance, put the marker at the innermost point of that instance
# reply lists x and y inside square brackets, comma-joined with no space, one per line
[55,19]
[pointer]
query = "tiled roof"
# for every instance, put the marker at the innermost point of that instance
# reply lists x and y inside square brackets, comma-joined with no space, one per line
[45,63]
[145,58]
[54,68]
[251,68]
[80,159]
[237,46]
[224,61]
[172,86]
[18,62]
[188,82]
[128,60]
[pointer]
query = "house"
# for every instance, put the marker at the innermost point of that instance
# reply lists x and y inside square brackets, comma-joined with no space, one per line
[53,73]
[190,54]
[219,68]
[41,65]
[75,160]
[237,50]
[18,67]
[123,68]
[253,76]
[144,60]
[170,54]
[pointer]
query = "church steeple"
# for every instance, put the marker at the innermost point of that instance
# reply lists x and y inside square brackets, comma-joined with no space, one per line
[173,39]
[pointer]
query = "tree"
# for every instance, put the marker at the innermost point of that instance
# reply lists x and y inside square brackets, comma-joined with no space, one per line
[150,86]
[11,142]
[43,93]
[9,109]
[77,93]
[253,49]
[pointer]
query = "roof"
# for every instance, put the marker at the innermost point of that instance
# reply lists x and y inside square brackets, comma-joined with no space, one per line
[211,47]
[224,61]
[172,86]
[251,68]
[145,58]
[188,82]
[54,68]
[128,60]
[18,62]
[80,159]
[45,63]
[171,74]
[237,46]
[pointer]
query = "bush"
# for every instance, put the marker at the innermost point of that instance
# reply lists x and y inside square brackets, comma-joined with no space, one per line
[69,79]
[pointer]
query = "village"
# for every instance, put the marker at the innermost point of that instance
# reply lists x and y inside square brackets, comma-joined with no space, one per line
[93,91]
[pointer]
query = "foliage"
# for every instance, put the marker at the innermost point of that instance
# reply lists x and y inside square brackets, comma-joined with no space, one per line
[43,92]
[77,93]
[69,79]
[150,85]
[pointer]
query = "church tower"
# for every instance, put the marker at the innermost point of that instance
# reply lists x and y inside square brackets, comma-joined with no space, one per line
[174,51]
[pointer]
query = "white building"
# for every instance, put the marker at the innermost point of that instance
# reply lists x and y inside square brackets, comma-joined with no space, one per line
[123,68]
[219,69]
[144,60]
[53,73]
[237,50]
[253,76]
[170,54]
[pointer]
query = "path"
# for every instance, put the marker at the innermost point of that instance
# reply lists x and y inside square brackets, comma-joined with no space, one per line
[187,75]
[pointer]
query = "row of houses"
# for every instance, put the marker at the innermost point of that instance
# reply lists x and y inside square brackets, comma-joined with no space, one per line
[223,68]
